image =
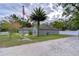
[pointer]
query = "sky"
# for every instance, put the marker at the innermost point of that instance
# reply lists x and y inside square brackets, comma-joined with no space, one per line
[53,12]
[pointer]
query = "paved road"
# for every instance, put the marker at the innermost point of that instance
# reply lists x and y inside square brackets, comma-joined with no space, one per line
[62,47]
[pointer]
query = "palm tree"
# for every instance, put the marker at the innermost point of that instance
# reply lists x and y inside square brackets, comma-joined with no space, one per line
[38,15]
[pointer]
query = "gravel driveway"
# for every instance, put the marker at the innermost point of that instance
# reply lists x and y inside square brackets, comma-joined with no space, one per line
[62,47]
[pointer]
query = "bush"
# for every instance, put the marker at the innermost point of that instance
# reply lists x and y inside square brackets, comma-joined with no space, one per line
[30,32]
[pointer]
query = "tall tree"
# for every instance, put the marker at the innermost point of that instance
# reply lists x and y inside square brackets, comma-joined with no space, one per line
[21,21]
[38,15]
[71,9]
[73,24]
[58,25]
[10,26]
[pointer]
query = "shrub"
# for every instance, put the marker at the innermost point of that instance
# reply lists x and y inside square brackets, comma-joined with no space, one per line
[30,32]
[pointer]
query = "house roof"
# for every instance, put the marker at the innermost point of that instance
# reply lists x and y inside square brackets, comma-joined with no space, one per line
[46,27]
[42,27]
[24,29]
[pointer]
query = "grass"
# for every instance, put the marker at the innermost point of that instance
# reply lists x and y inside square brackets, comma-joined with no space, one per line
[15,39]
[46,37]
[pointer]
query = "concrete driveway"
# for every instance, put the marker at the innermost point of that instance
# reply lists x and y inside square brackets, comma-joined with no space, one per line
[62,47]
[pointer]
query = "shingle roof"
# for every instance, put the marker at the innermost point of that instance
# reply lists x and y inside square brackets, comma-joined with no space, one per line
[47,27]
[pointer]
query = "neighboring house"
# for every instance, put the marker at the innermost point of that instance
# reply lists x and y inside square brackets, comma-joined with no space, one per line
[47,29]
[43,30]
[25,30]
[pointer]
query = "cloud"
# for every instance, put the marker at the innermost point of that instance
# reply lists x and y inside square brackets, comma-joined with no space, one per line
[53,10]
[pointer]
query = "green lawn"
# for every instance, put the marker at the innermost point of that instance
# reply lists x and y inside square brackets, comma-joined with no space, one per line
[46,37]
[16,39]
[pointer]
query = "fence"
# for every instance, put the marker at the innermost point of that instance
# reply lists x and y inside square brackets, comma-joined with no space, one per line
[69,32]
[4,33]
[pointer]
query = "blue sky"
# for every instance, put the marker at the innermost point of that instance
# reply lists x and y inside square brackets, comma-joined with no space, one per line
[52,10]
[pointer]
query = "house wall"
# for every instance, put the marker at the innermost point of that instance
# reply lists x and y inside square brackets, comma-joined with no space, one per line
[41,31]
[47,32]
[25,30]
[69,32]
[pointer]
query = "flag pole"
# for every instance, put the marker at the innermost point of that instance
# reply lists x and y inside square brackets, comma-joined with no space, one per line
[23,13]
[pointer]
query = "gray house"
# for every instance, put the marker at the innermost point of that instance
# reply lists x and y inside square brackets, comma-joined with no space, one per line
[25,30]
[43,30]
[47,29]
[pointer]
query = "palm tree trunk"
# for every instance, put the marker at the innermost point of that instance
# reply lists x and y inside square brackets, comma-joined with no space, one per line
[38,24]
